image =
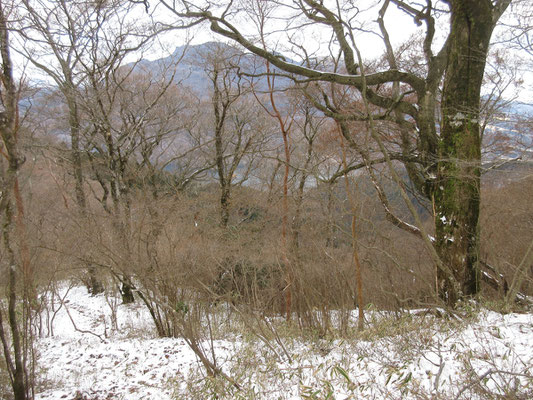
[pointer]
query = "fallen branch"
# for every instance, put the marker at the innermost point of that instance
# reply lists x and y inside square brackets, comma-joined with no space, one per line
[74,324]
[501,283]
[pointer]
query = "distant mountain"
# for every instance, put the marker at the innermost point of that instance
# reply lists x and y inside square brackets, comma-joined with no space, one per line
[190,65]
[509,145]
[519,108]
[503,134]
[510,133]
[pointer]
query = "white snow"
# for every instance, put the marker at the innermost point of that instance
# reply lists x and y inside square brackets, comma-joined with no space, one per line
[413,357]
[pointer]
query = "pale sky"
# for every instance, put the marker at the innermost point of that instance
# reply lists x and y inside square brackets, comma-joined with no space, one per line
[401,28]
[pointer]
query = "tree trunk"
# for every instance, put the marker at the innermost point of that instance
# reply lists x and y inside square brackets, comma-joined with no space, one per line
[457,190]
[126,290]
[94,284]
[220,107]
[18,384]
[224,206]
[14,348]
[74,124]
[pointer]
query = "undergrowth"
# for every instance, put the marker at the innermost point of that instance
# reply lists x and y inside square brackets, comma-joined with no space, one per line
[396,356]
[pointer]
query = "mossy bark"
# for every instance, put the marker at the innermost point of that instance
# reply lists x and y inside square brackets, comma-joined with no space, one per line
[457,190]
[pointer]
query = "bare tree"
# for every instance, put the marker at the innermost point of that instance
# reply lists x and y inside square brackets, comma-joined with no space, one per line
[17,346]
[236,131]
[54,38]
[58,31]
[446,150]
[285,121]
[517,28]
[308,125]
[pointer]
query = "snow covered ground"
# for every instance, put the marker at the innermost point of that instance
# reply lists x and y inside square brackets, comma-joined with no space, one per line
[412,357]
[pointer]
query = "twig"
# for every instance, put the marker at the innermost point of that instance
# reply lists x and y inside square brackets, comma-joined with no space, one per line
[486,374]
[74,324]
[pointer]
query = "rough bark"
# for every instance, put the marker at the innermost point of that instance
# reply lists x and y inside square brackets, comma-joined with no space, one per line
[457,189]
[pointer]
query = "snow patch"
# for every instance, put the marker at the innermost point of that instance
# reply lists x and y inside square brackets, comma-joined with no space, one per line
[132,363]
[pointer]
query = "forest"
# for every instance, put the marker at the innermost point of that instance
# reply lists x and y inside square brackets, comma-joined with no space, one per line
[262,199]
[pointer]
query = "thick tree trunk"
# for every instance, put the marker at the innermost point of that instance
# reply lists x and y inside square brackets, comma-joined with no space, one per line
[457,189]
